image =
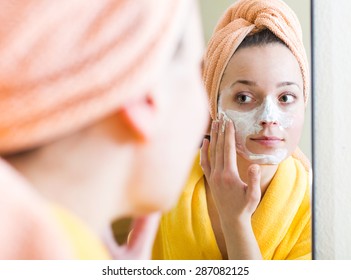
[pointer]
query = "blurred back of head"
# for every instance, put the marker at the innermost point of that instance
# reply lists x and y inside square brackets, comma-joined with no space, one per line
[66,64]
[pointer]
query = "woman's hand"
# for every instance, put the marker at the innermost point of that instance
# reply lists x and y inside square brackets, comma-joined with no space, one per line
[235,200]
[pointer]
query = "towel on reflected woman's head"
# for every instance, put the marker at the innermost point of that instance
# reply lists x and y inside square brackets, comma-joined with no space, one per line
[244,18]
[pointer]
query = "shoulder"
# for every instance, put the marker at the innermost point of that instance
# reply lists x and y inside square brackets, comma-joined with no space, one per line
[30,231]
[85,244]
[299,156]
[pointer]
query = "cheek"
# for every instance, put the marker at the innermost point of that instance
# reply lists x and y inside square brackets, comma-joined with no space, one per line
[172,151]
[240,138]
[295,131]
[245,125]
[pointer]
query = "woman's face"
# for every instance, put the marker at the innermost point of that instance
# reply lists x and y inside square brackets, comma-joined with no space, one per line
[262,92]
[166,161]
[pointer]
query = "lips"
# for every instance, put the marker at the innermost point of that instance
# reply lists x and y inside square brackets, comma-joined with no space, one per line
[268,141]
[268,138]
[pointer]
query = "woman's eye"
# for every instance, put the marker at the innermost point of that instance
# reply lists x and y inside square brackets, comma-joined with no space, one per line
[243,99]
[287,98]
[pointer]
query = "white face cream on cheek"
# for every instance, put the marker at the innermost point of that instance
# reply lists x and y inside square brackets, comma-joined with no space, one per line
[250,123]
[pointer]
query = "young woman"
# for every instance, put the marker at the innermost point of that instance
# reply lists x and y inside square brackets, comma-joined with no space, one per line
[249,195]
[92,98]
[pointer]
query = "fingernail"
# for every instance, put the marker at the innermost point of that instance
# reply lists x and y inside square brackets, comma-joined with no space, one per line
[223,125]
[225,117]
[255,169]
[215,126]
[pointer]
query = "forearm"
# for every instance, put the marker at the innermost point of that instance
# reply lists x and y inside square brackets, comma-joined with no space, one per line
[240,241]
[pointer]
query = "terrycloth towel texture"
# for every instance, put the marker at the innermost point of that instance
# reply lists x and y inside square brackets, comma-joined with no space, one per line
[244,18]
[281,223]
[64,65]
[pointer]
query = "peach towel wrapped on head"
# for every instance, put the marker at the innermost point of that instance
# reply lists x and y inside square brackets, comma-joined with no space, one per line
[245,18]
[64,65]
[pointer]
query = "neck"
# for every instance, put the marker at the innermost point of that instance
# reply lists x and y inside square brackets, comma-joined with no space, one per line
[79,173]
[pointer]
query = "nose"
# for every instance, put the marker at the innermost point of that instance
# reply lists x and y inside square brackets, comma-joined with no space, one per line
[269,115]
[268,123]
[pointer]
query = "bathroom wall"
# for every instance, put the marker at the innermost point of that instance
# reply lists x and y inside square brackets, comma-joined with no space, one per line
[332,129]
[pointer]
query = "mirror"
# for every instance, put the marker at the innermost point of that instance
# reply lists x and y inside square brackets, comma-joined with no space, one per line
[212,11]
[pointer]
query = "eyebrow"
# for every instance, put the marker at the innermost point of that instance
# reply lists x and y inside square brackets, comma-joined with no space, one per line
[244,82]
[251,83]
[283,84]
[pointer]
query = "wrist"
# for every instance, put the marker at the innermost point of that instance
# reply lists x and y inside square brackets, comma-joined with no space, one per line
[239,222]
[240,240]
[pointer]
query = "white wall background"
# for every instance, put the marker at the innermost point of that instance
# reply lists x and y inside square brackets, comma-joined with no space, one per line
[213,9]
[332,129]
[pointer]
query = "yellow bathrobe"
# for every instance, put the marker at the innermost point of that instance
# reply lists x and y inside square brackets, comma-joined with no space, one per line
[84,243]
[281,223]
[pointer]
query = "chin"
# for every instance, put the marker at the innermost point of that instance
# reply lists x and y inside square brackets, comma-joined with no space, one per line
[265,159]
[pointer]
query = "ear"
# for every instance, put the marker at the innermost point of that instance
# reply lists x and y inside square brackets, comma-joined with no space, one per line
[139,116]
